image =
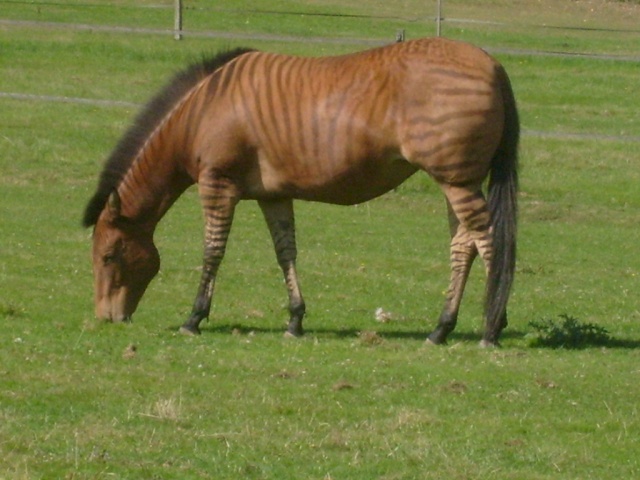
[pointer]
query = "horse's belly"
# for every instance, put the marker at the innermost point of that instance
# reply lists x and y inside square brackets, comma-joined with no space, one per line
[347,186]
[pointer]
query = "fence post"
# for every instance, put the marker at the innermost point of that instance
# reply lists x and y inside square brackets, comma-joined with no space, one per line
[177,22]
[439,19]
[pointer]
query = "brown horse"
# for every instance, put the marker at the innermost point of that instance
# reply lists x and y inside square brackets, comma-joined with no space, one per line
[341,130]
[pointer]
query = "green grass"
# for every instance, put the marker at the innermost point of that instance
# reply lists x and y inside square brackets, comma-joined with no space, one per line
[355,398]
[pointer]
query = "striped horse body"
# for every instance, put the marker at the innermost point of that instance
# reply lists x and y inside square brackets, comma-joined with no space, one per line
[341,130]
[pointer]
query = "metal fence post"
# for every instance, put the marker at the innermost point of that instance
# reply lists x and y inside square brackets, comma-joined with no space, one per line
[177,21]
[439,19]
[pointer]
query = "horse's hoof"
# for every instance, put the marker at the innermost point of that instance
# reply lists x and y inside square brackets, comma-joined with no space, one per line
[488,344]
[121,319]
[189,331]
[289,334]
[430,343]
[434,339]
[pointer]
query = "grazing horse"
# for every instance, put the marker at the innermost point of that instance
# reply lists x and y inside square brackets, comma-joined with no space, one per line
[340,130]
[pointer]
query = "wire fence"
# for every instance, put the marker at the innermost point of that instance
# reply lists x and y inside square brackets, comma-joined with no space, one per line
[432,18]
[177,21]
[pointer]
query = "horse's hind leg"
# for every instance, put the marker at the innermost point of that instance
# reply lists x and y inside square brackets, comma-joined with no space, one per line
[469,223]
[463,251]
[219,199]
[280,220]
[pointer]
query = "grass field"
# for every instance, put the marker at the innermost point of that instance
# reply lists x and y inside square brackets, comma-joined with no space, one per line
[355,398]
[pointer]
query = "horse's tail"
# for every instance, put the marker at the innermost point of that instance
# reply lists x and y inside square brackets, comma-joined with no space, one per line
[503,208]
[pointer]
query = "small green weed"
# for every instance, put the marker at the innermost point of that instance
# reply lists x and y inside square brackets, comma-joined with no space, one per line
[568,332]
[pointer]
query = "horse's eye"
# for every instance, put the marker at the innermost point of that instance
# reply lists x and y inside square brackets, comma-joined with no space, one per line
[113,254]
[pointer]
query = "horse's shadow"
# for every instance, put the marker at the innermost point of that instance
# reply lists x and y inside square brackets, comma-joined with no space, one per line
[414,335]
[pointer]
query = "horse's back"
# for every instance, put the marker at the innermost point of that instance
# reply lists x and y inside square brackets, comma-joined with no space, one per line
[345,129]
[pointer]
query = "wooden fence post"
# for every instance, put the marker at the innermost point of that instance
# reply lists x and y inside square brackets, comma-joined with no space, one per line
[177,22]
[439,19]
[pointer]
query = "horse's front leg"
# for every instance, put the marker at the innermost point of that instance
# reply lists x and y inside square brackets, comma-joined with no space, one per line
[219,199]
[280,220]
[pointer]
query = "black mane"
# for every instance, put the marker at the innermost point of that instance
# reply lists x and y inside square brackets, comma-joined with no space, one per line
[125,152]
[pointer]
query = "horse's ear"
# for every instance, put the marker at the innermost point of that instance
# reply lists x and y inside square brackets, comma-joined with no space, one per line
[114,205]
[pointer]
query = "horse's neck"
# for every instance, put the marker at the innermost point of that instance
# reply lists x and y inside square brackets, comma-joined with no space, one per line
[153,183]
[158,177]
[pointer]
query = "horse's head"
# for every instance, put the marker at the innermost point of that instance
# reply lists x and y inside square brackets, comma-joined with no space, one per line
[125,260]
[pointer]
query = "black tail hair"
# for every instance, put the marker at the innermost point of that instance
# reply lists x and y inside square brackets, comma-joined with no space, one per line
[503,207]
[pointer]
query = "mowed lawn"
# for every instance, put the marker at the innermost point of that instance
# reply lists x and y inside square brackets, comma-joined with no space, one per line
[356,398]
